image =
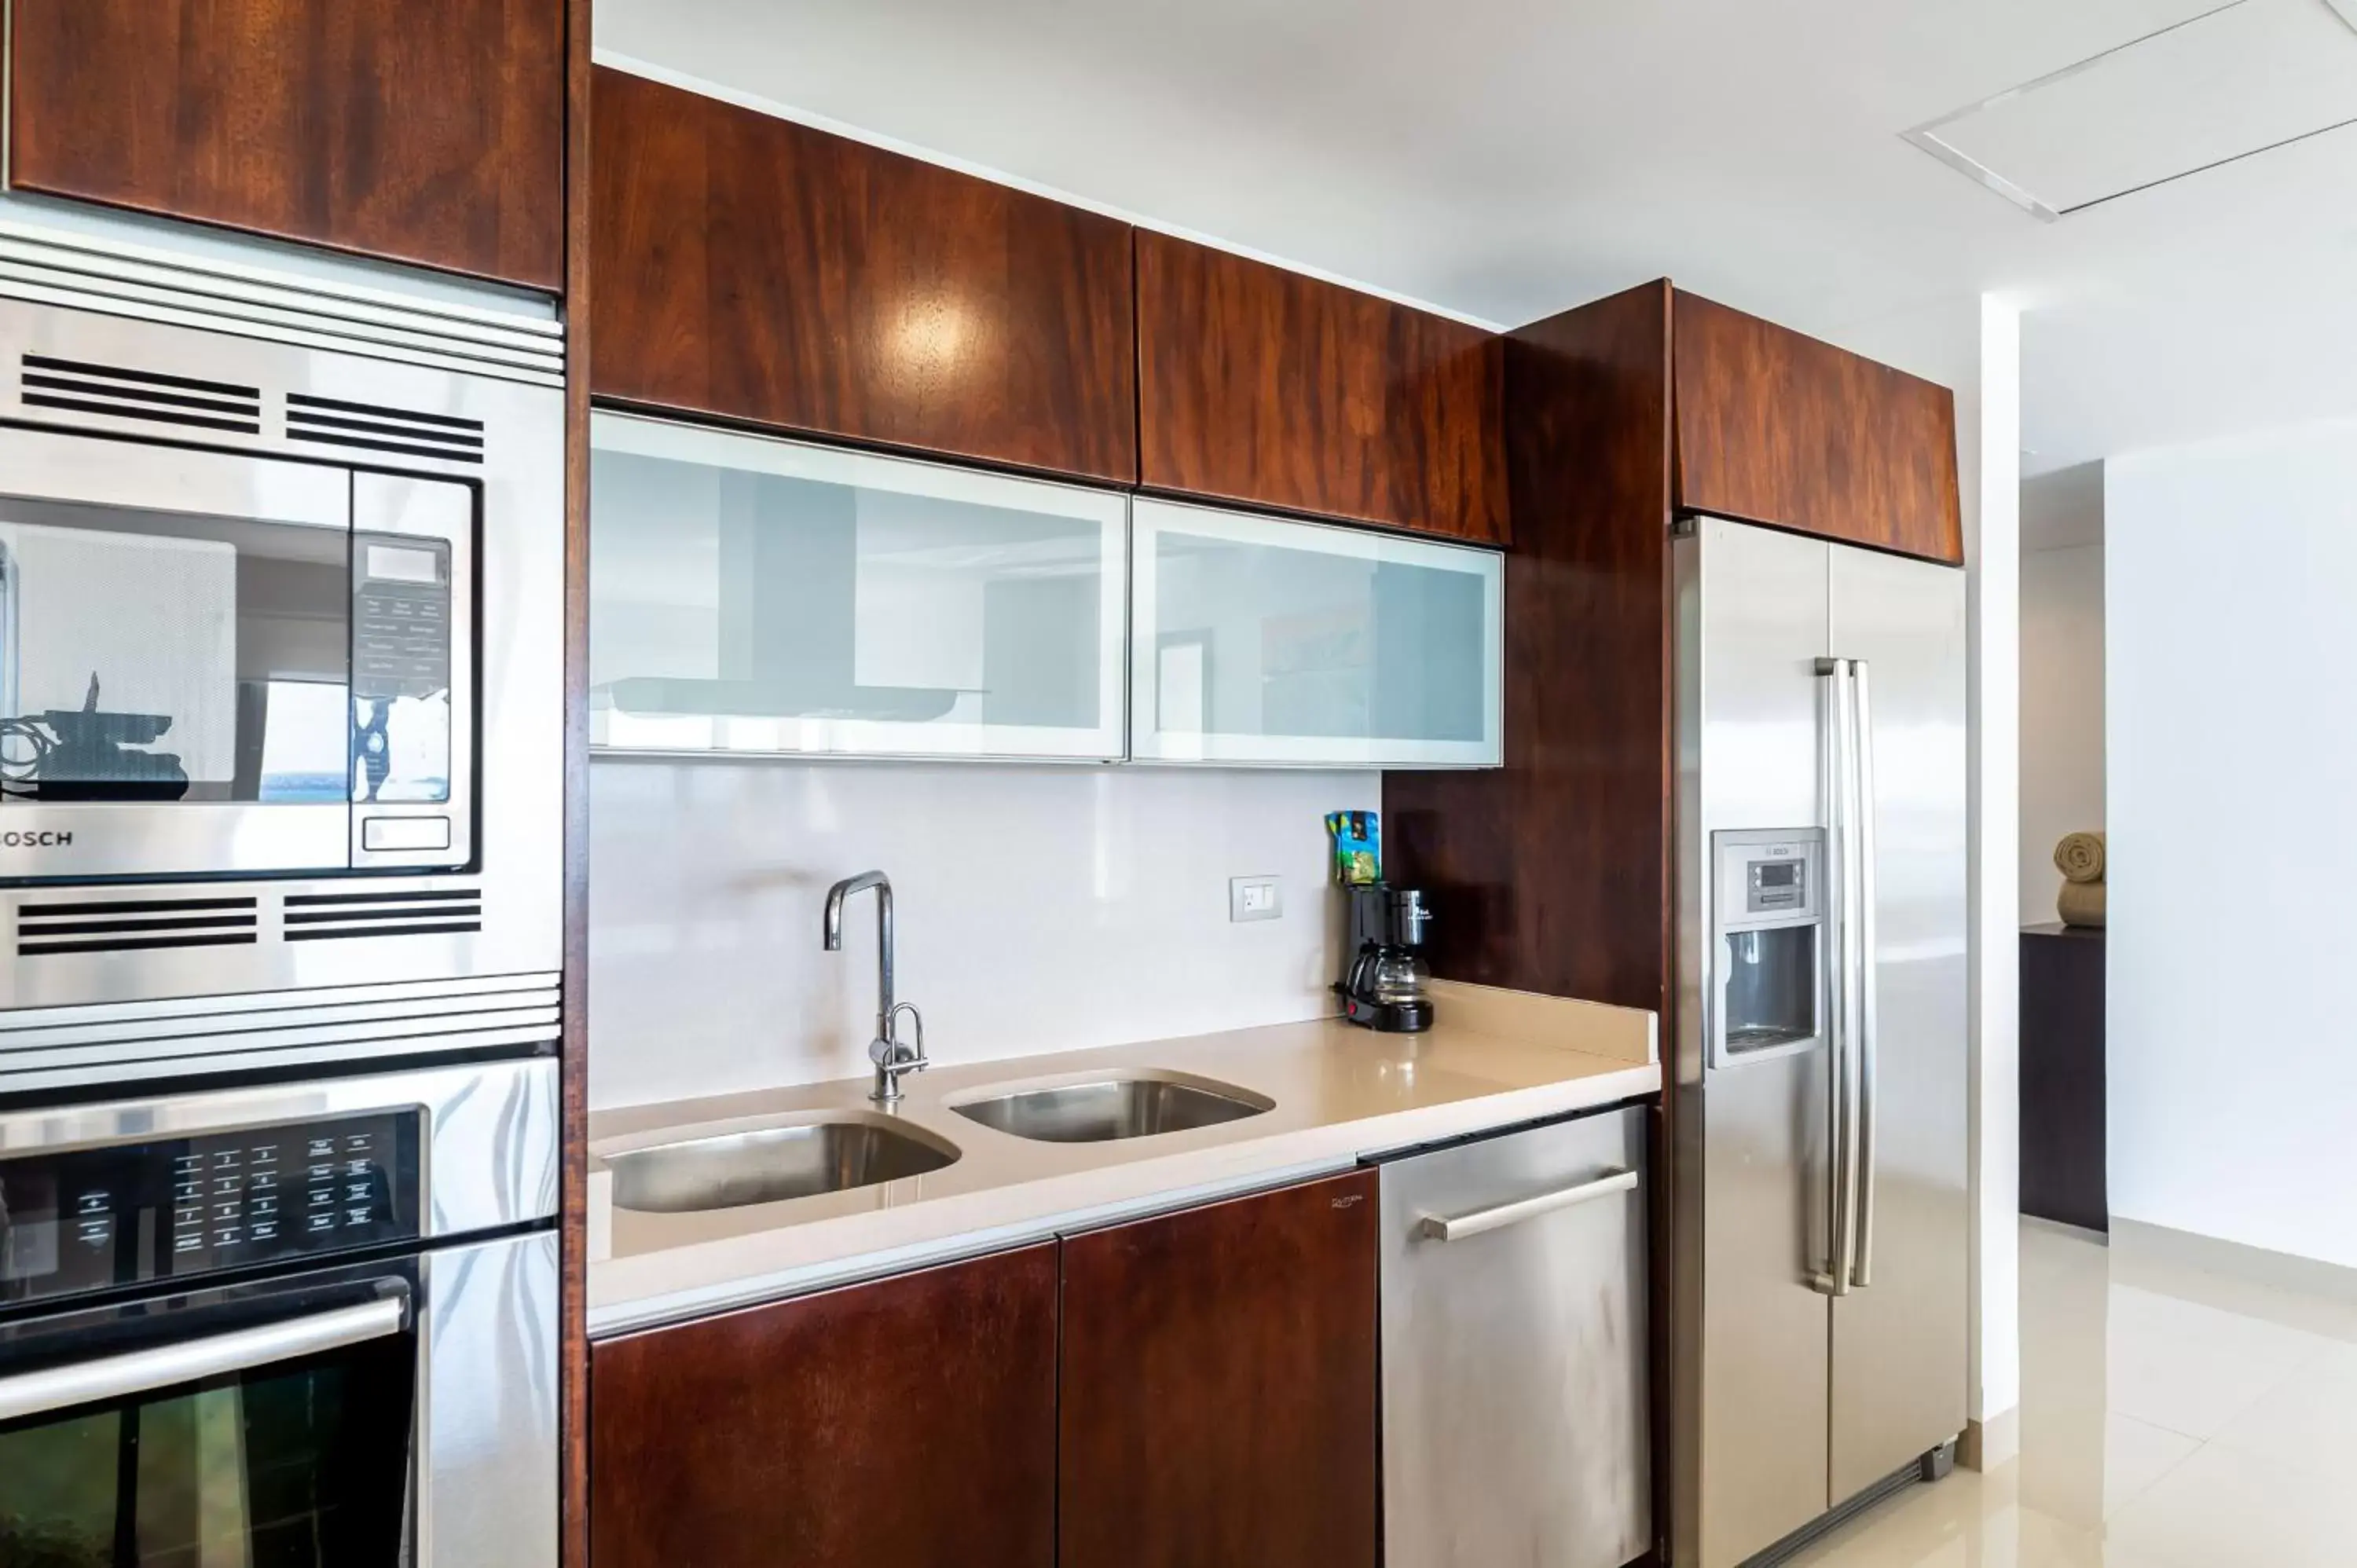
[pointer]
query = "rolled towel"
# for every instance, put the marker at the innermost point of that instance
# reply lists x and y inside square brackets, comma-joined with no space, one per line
[2079,858]
[2081,904]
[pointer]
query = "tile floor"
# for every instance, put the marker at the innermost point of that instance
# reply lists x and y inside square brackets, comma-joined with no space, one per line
[2170,1419]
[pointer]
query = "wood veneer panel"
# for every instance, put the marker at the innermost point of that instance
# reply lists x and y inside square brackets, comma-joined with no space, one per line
[910,1422]
[1264,386]
[1552,874]
[1776,427]
[760,270]
[426,133]
[1218,1386]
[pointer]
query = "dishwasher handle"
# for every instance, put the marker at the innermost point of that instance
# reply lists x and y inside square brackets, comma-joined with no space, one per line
[1440,1228]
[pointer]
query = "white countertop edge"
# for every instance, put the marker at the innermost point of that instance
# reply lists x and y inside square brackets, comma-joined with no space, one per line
[1279,1160]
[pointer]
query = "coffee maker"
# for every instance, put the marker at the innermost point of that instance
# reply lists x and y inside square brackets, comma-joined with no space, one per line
[1384,977]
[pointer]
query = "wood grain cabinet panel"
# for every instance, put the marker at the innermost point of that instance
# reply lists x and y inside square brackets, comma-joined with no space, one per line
[430,133]
[1218,1386]
[910,1422]
[1779,428]
[757,269]
[1263,386]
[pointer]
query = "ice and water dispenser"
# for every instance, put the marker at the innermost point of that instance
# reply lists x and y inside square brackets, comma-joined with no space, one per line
[1769,942]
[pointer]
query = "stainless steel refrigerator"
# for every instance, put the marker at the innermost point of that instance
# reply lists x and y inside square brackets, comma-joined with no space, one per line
[1820,1239]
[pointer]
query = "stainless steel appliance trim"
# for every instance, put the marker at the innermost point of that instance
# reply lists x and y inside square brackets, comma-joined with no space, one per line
[119,1377]
[1862,833]
[45,465]
[323,1005]
[488,1142]
[405,1021]
[51,266]
[487,1448]
[387,1052]
[432,1008]
[1480,1222]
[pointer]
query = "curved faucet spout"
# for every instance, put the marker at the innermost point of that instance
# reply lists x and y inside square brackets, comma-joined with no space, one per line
[845,889]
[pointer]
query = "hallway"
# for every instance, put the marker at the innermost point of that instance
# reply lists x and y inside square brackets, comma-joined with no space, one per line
[2171,1418]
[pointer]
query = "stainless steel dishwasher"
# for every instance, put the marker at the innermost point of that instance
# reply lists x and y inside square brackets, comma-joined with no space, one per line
[1513,1343]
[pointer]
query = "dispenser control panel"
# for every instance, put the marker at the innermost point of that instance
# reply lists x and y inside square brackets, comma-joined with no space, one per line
[1770,878]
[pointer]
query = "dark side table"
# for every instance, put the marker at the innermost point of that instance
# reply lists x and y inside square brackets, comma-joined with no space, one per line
[2062,1076]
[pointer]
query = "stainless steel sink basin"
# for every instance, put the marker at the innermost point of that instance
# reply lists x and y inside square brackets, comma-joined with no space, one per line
[765,1165]
[1102,1109]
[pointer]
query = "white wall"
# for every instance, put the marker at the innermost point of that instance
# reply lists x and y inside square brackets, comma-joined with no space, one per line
[2231,591]
[2061,673]
[1039,908]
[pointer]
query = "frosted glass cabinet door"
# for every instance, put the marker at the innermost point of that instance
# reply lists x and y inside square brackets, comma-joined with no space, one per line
[1263,640]
[754,595]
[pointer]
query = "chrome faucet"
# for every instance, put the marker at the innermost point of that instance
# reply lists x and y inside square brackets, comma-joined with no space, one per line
[891,1058]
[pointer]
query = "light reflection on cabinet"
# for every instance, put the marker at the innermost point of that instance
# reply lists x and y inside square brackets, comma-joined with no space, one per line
[753,595]
[1258,639]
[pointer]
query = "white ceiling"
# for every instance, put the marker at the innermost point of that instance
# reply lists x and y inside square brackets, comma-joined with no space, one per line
[1506,158]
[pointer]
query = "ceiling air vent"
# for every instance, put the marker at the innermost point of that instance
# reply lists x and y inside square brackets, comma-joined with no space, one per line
[134,925]
[2237,80]
[333,917]
[382,429]
[150,395]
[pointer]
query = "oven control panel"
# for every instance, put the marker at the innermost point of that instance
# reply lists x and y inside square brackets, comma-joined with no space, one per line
[78,1221]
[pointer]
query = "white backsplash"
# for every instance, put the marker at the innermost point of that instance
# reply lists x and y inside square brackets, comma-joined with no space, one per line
[1039,908]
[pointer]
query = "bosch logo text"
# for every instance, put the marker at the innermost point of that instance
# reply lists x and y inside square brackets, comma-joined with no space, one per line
[35,841]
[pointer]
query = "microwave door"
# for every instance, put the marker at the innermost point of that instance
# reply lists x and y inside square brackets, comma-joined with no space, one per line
[178,662]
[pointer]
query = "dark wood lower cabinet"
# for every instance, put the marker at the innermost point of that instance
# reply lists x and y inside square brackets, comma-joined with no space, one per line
[1218,1386]
[907,1424]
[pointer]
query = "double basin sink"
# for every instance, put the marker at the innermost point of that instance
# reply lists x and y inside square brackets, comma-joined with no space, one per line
[768,1164]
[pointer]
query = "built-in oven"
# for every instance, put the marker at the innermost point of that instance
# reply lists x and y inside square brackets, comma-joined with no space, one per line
[282,662]
[309,1326]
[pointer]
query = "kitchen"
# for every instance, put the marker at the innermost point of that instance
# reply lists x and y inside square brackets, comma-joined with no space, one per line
[809,597]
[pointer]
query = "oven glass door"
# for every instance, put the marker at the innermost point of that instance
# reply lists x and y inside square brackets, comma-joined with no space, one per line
[212,665]
[225,1432]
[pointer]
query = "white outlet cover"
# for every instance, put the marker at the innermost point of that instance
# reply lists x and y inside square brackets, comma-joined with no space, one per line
[1255,899]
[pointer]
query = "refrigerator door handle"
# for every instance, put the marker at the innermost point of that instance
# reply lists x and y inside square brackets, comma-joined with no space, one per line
[1841,1104]
[1862,842]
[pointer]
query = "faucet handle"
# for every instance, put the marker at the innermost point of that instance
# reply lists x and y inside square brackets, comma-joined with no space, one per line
[887,1051]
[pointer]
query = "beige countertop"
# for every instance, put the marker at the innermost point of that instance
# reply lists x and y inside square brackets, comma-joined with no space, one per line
[1338,1093]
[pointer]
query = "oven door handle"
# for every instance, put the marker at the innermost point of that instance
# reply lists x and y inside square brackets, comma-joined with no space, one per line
[191,1360]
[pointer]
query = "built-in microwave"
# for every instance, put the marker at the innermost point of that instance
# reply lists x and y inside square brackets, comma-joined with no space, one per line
[282,663]
[217,664]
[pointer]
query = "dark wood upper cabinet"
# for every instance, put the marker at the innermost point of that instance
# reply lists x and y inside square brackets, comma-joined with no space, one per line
[1776,427]
[1553,873]
[1262,386]
[426,133]
[910,1422]
[757,269]
[1219,1404]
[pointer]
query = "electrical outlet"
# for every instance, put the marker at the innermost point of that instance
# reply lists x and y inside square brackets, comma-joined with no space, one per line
[1254,898]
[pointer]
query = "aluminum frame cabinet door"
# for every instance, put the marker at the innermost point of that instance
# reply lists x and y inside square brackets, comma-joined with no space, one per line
[1750,1352]
[1899,1342]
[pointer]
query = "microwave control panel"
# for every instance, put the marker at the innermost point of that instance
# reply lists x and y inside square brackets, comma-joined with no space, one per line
[81,1220]
[401,617]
